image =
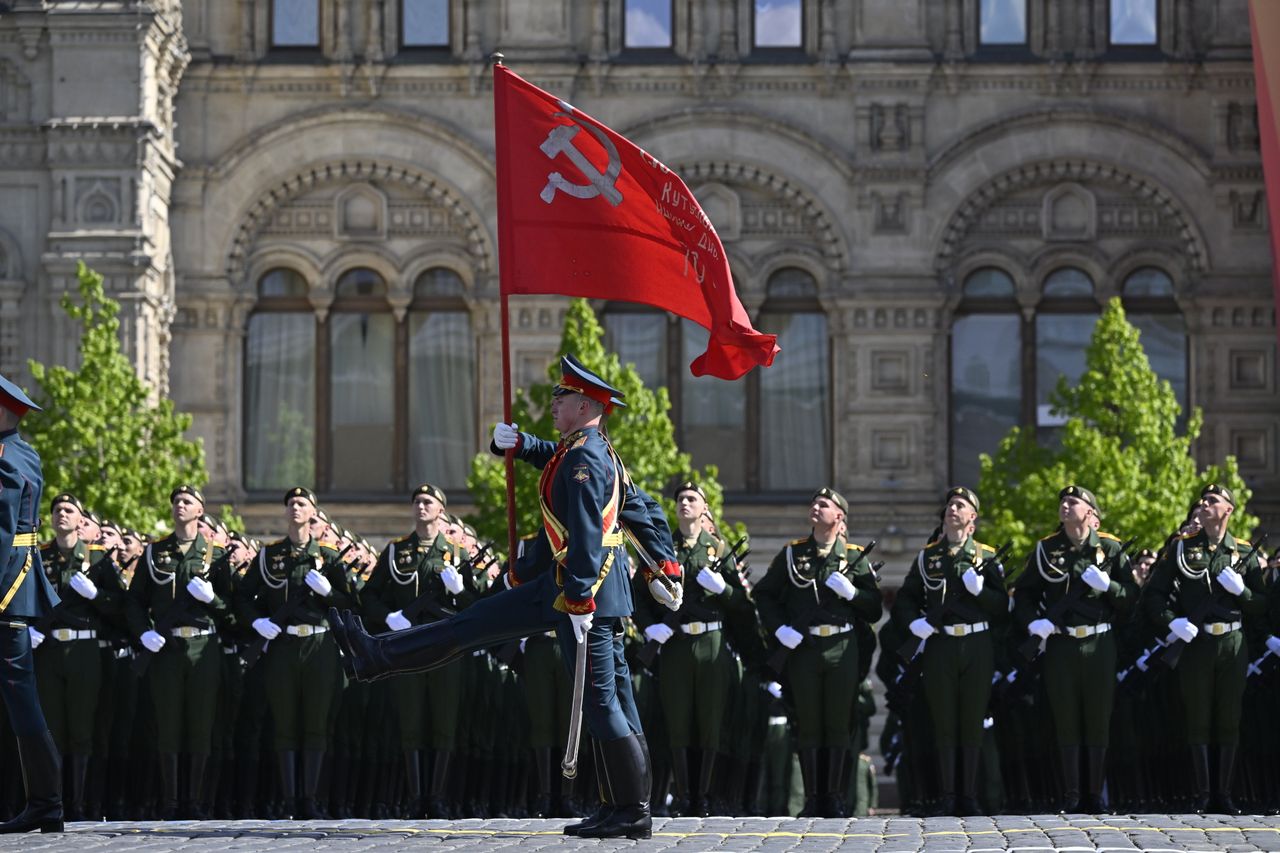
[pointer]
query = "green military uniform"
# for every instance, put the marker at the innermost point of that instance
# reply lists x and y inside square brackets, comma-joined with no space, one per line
[185,673]
[694,667]
[69,661]
[822,672]
[959,659]
[1079,661]
[1211,674]
[427,703]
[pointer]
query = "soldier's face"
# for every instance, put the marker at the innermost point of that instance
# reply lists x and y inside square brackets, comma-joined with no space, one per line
[130,547]
[690,505]
[66,518]
[1143,568]
[239,552]
[1072,510]
[111,538]
[566,411]
[186,509]
[88,531]
[960,513]
[825,513]
[1214,509]
[302,511]
[426,508]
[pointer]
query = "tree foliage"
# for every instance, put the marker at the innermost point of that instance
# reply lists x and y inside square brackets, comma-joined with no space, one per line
[1121,441]
[101,435]
[642,433]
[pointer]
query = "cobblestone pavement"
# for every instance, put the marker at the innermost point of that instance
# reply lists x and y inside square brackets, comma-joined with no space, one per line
[1151,833]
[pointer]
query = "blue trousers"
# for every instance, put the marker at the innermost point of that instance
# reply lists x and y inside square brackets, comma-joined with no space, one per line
[18,683]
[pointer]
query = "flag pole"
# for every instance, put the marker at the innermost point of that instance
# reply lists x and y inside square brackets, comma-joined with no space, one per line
[504,271]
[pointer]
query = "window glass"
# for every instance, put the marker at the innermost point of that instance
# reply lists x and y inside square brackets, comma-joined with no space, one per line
[438,283]
[360,282]
[1133,21]
[442,398]
[1150,282]
[1068,282]
[362,400]
[1061,340]
[713,415]
[794,392]
[425,23]
[1164,339]
[647,23]
[640,339]
[986,388]
[295,23]
[1002,22]
[777,23]
[280,379]
[282,282]
[791,283]
[989,283]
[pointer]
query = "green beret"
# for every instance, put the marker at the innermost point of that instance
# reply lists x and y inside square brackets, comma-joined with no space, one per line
[1083,494]
[430,491]
[968,495]
[689,486]
[833,496]
[190,491]
[301,492]
[67,498]
[1221,491]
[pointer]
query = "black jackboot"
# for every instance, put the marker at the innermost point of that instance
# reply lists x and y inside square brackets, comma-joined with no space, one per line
[340,787]
[682,796]
[1222,802]
[437,802]
[605,810]
[809,776]
[42,778]
[169,786]
[288,764]
[706,772]
[1200,777]
[1097,758]
[413,776]
[193,807]
[626,765]
[967,804]
[73,806]
[1070,780]
[542,767]
[946,804]
[312,767]
[833,801]
[368,658]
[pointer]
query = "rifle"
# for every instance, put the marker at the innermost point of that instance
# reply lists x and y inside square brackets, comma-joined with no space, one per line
[672,617]
[914,645]
[1172,652]
[1070,603]
[426,601]
[778,660]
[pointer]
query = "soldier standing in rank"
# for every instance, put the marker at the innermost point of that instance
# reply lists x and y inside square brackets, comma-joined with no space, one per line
[68,661]
[693,682]
[1080,652]
[1203,592]
[301,667]
[822,584]
[948,580]
[424,562]
[26,596]
[182,571]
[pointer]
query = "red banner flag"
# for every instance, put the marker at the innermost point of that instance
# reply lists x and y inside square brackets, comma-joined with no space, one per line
[1265,23]
[583,211]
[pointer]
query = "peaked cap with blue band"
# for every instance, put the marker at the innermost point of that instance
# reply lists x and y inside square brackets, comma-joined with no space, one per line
[15,399]
[577,379]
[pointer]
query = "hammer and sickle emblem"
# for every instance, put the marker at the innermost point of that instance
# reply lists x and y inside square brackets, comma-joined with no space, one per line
[560,141]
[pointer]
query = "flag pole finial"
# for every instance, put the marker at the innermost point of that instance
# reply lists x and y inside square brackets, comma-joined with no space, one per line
[496,58]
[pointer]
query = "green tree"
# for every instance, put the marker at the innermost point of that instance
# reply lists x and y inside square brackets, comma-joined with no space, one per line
[1121,441]
[642,433]
[101,435]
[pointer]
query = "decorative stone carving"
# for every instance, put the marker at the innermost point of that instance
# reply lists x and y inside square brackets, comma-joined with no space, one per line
[1069,213]
[890,128]
[890,212]
[1248,209]
[98,201]
[723,207]
[1242,127]
[360,213]
[1249,370]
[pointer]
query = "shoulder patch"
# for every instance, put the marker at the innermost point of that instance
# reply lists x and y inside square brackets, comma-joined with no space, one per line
[96,548]
[1104,535]
[404,539]
[1185,536]
[853,547]
[984,548]
[1244,543]
[1050,536]
[329,548]
[800,541]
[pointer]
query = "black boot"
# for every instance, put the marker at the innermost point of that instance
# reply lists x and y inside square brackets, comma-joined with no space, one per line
[809,776]
[1097,758]
[340,787]
[437,802]
[833,802]
[946,805]
[682,796]
[247,795]
[413,776]
[706,772]
[169,786]
[288,766]
[312,767]
[967,804]
[606,807]
[368,658]
[1070,803]
[1222,802]
[1200,777]
[542,767]
[193,807]
[626,765]
[42,778]
[73,805]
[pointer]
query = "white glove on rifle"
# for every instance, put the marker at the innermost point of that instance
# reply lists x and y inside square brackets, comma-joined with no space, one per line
[788,636]
[973,581]
[267,629]
[841,586]
[84,587]
[581,625]
[1042,628]
[1096,578]
[1184,629]
[201,590]
[711,581]
[506,436]
[152,641]
[775,689]
[37,638]
[922,629]
[1273,645]
[452,580]
[319,583]
[1231,581]
[397,622]
[659,633]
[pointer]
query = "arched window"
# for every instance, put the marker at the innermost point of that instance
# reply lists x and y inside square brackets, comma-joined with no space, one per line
[361,384]
[1064,324]
[280,385]
[442,381]
[1148,298]
[639,335]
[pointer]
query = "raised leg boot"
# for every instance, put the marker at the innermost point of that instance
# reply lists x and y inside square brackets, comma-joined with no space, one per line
[1222,801]
[1070,780]
[42,778]
[368,658]
[626,765]
[967,804]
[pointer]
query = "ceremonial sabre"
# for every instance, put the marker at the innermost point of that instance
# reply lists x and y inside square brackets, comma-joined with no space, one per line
[569,766]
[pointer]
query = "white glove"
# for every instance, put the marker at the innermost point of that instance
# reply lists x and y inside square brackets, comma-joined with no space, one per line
[775,689]
[659,633]
[581,625]
[1185,630]
[319,583]
[37,638]
[523,641]
[397,622]
[267,629]
[1231,581]
[1096,578]
[153,641]
[840,585]
[1273,645]
[788,636]
[712,582]
[452,580]
[1042,628]
[973,581]
[922,629]
[506,436]
[1142,662]
[200,589]
[663,596]
[84,587]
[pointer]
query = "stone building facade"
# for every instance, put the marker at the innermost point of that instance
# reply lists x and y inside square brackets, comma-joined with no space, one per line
[929,199]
